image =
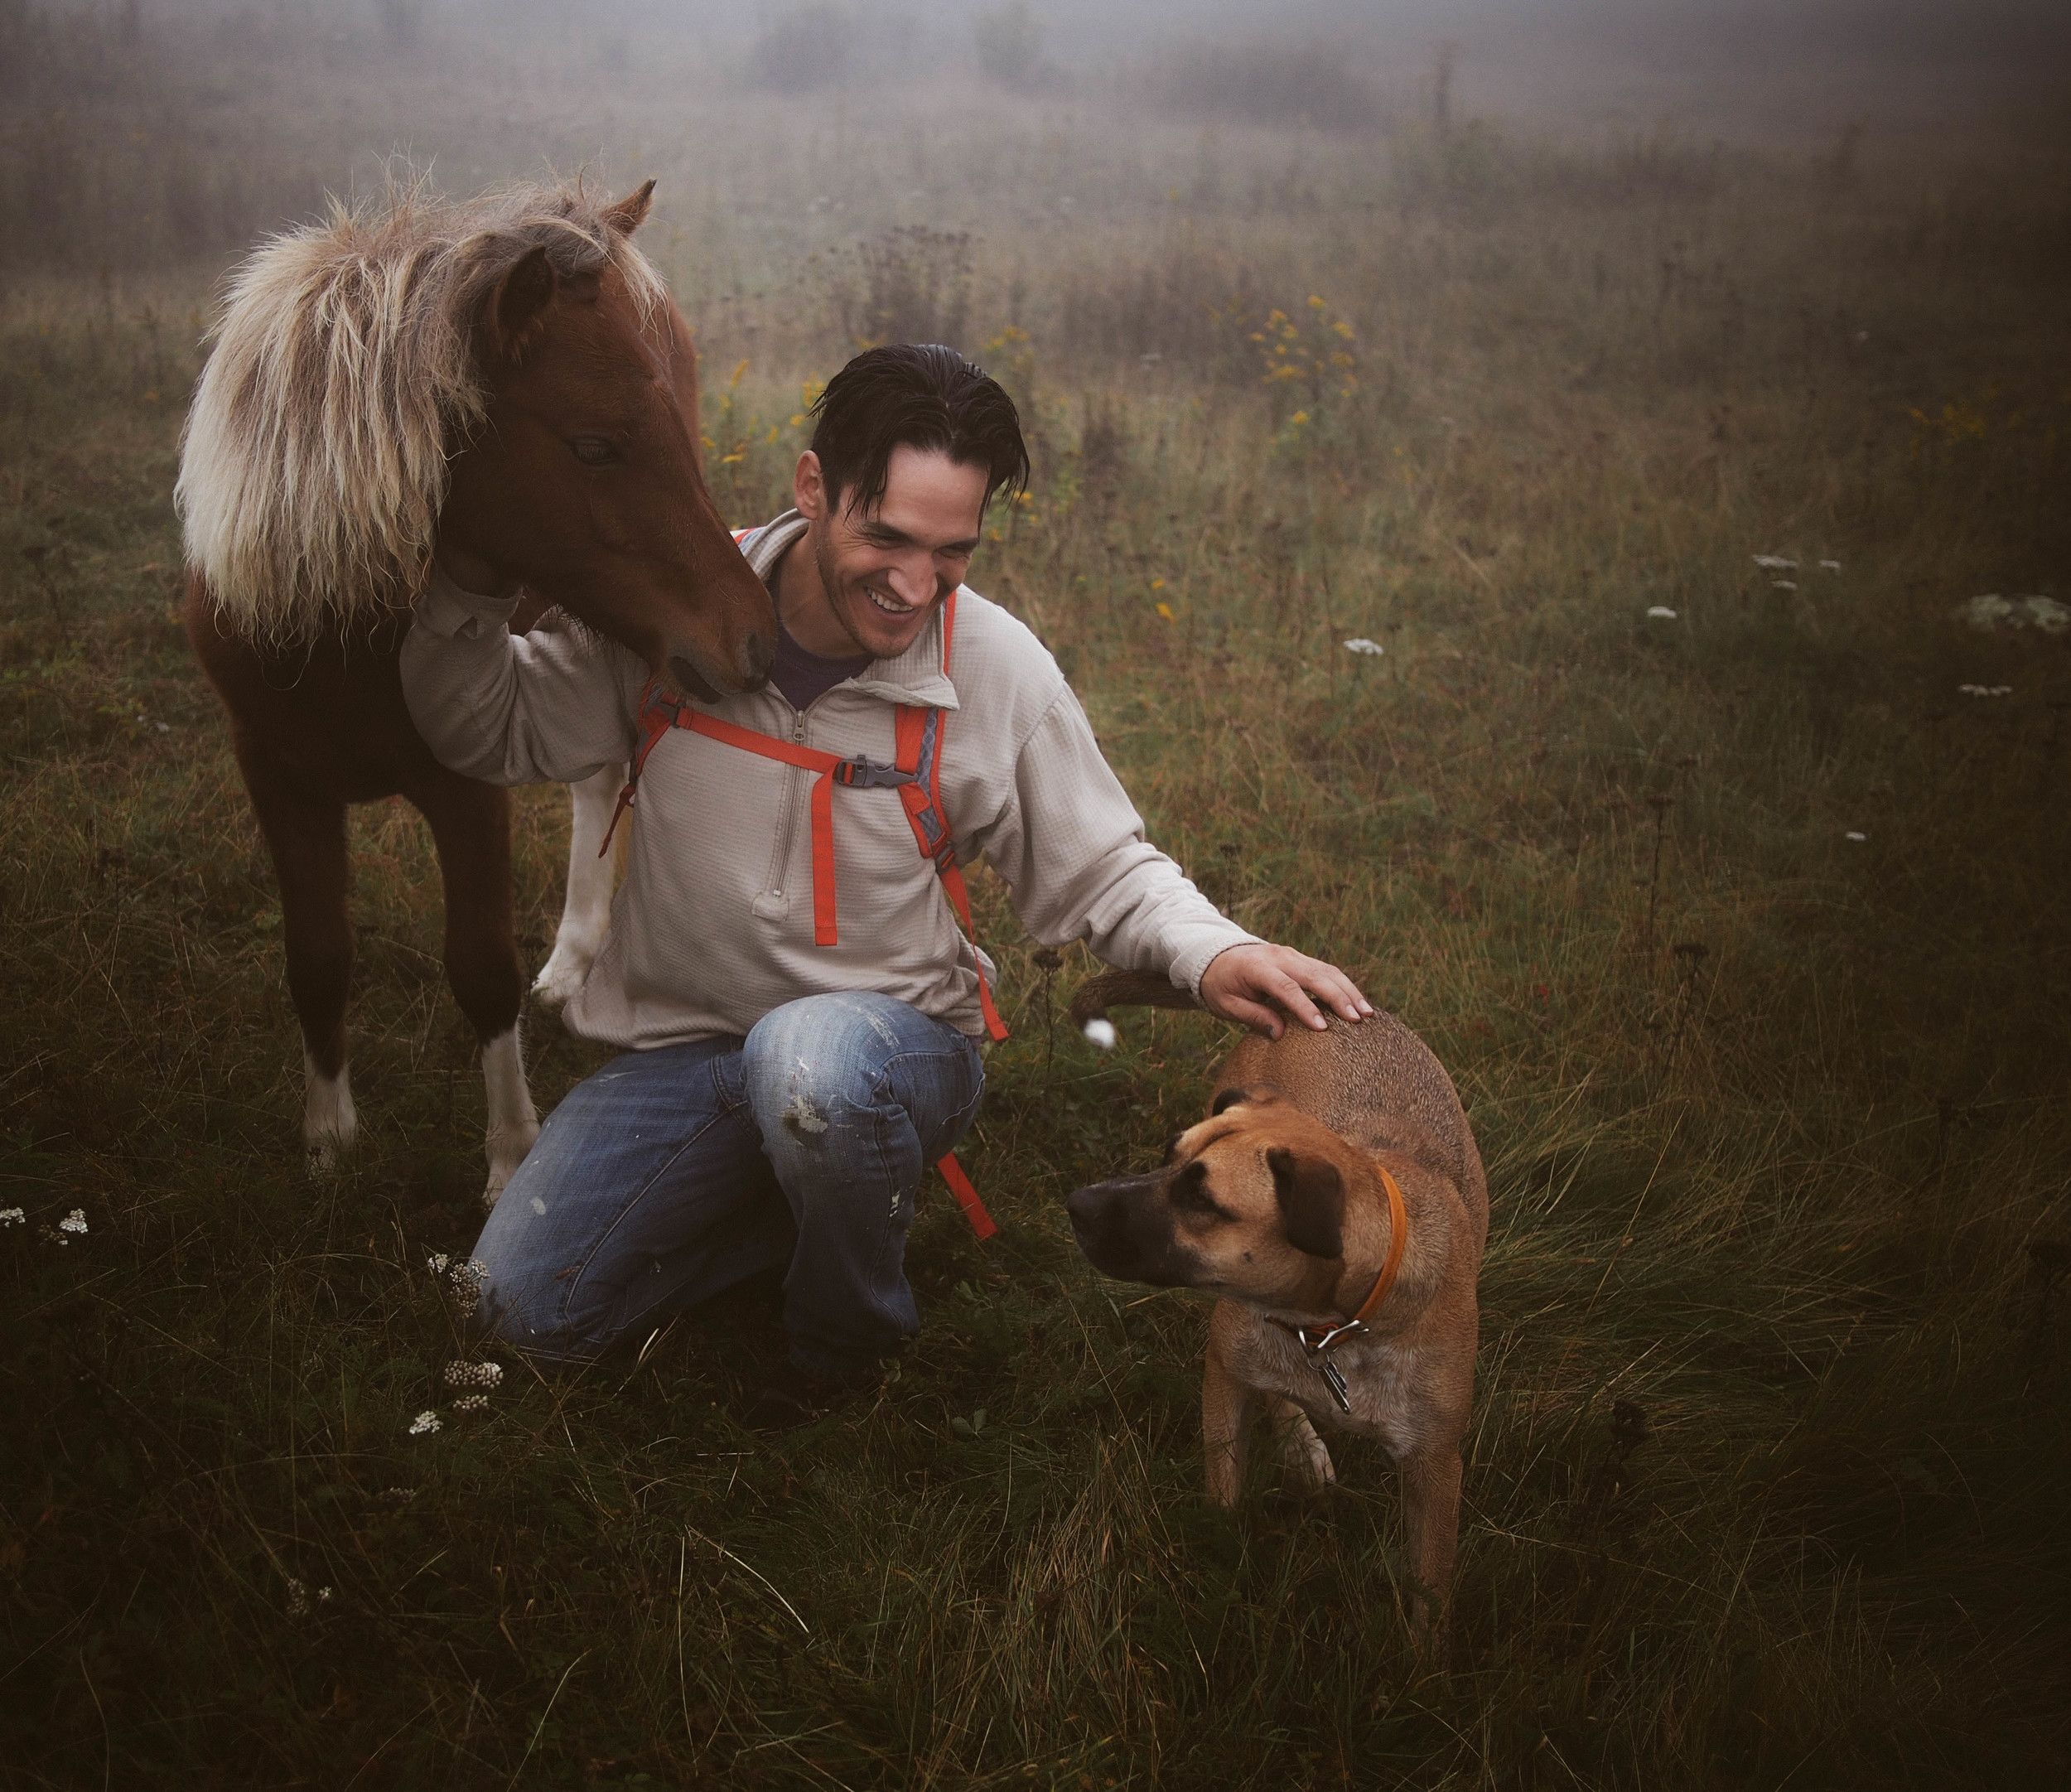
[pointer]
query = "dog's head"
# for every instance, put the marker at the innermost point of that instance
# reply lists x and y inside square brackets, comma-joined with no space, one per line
[1250,1203]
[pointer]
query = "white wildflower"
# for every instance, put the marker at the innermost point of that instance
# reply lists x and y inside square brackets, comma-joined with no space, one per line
[396,1496]
[1993,612]
[13,1216]
[471,1403]
[1852,835]
[1775,562]
[1661,610]
[1986,690]
[297,1600]
[1360,644]
[1783,584]
[323,1595]
[474,1374]
[436,1262]
[73,1222]
[1830,566]
[424,1424]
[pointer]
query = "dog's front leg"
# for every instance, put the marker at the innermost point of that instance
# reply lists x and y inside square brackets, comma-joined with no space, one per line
[1431,1527]
[1228,1410]
[1299,1446]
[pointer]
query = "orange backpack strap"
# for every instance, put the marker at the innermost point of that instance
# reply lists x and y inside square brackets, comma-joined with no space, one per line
[919,757]
[967,1197]
[656,716]
[658,713]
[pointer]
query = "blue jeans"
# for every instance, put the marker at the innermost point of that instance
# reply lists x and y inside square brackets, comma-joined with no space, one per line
[670,1175]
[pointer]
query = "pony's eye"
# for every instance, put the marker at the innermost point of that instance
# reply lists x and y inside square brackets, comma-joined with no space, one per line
[594,451]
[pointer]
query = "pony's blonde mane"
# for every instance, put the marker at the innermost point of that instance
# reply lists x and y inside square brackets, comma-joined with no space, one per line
[314,461]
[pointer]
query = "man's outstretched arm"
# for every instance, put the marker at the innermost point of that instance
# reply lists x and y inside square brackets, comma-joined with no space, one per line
[1071,846]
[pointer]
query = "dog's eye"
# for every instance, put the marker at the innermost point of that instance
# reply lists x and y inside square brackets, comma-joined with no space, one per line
[1190,1193]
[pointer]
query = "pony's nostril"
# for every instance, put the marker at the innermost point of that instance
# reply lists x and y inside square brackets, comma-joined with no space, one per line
[758,654]
[690,681]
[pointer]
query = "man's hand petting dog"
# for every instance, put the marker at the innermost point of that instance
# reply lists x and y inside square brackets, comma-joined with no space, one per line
[1261,987]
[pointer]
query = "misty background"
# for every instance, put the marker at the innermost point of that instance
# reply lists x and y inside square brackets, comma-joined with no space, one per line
[145,133]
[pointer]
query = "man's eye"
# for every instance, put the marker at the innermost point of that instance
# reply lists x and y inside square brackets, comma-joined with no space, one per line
[594,451]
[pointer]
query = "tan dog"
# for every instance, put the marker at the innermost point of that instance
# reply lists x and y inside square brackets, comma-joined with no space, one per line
[1279,1202]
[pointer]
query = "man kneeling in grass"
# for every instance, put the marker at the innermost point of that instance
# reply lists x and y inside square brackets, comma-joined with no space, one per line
[797,1011]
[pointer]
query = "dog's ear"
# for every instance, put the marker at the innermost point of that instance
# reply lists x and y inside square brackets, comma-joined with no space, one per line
[1311,1201]
[1257,1095]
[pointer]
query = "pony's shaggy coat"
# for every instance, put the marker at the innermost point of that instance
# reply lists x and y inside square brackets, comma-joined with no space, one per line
[314,462]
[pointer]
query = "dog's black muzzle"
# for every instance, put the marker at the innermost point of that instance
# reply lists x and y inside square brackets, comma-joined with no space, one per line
[1125,1227]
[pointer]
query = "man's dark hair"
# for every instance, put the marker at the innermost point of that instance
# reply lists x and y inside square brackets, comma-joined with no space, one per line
[918,395]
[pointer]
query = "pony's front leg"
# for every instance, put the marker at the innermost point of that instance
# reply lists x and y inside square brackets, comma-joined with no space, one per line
[470,823]
[586,914]
[305,835]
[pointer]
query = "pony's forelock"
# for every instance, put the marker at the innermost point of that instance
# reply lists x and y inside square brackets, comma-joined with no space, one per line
[313,464]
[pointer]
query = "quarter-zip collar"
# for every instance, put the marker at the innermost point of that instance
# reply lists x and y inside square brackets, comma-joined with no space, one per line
[914,677]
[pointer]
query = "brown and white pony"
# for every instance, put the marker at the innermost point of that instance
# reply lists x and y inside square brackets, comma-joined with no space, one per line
[506,381]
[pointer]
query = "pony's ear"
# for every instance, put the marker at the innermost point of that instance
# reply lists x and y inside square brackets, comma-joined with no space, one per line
[631,212]
[1311,1201]
[522,296]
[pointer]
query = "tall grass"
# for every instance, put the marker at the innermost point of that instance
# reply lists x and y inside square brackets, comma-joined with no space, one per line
[1764,1482]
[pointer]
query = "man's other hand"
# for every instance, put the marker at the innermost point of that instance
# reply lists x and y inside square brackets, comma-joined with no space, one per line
[1255,986]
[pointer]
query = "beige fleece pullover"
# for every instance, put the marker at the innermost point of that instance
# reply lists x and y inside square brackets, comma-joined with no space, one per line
[713,927]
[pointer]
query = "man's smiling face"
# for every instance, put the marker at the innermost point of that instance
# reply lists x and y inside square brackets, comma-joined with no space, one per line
[884,572]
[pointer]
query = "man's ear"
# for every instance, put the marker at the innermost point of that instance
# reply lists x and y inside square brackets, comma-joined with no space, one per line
[519,302]
[631,212]
[1256,1096]
[808,487]
[1311,1196]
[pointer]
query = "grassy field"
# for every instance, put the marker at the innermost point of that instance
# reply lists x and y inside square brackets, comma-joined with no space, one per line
[1737,917]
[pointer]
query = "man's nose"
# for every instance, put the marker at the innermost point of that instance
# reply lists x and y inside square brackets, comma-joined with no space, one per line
[914,582]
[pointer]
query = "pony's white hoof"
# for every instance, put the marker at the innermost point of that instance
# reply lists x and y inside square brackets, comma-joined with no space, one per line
[514,1124]
[563,974]
[507,1149]
[329,1122]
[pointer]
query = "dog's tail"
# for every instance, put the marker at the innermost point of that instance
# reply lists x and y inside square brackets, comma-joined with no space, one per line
[1121,989]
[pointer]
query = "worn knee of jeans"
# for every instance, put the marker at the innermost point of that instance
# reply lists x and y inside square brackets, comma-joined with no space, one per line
[814,1075]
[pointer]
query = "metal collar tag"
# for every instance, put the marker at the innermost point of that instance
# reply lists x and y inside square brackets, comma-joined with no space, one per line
[1318,1341]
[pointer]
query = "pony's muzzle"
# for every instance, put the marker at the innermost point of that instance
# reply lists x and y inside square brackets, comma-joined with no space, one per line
[691,681]
[758,654]
[698,676]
